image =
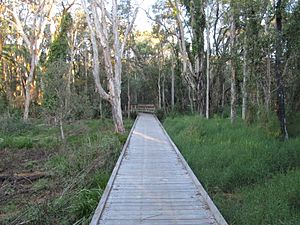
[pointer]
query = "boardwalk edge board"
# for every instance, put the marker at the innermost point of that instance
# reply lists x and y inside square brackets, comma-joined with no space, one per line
[108,188]
[213,208]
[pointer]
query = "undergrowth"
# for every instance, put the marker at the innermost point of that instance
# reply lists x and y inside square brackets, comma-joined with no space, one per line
[246,169]
[78,170]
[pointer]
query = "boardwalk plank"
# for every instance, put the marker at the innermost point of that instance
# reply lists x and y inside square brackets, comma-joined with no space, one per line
[152,184]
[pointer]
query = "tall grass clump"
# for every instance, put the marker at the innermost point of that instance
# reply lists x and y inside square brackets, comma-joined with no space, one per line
[236,160]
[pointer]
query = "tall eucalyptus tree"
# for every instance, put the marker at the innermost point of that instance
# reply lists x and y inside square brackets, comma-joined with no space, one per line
[104,27]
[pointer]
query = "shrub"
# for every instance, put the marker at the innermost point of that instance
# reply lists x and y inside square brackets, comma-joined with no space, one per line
[160,113]
[133,115]
[294,200]
[12,125]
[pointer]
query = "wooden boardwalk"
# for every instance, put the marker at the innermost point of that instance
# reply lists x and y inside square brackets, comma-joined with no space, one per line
[152,184]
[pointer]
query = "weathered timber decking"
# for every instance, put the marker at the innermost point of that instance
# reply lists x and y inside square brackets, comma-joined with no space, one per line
[152,184]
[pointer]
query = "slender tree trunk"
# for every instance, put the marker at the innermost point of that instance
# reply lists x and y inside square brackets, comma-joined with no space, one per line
[163,94]
[233,69]
[62,134]
[173,84]
[245,79]
[159,89]
[85,73]
[258,100]
[268,88]
[28,88]
[70,71]
[135,92]
[200,94]
[279,81]
[269,77]
[207,72]
[128,97]
[223,98]
[100,107]
[191,99]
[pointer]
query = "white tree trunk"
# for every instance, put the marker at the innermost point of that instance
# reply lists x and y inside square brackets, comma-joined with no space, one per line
[62,134]
[33,39]
[245,79]
[113,53]
[159,90]
[233,69]
[191,99]
[117,114]
[29,81]
[207,72]
[27,101]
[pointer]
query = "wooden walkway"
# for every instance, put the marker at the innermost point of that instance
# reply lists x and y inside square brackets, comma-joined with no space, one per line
[152,184]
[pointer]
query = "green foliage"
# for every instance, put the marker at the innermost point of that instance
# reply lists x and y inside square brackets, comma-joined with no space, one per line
[79,172]
[274,201]
[122,137]
[293,120]
[17,142]
[3,102]
[133,115]
[85,201]
[240,166]
[294,199]
[13,126]
[17,134]
[59,49]
[160,113]
[81,107]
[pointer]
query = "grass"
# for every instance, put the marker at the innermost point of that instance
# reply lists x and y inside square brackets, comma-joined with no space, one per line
[78,170]
[252,176]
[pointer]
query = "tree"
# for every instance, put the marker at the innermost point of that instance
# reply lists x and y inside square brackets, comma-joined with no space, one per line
[98,19]
[279,81]
[233,63]
[40,12]
[57,78]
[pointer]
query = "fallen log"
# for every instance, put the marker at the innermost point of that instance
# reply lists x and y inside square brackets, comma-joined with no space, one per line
[30,176]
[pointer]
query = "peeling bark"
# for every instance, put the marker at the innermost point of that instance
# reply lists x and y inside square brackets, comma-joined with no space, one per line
[112,53]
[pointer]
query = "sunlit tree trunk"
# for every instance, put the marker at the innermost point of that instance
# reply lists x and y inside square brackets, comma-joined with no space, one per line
[33,39]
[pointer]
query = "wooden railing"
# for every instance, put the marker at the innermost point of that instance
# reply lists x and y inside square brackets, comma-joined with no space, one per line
[148,108]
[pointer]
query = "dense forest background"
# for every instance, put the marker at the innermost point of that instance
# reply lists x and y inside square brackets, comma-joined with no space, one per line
[205,57]
[224,75]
